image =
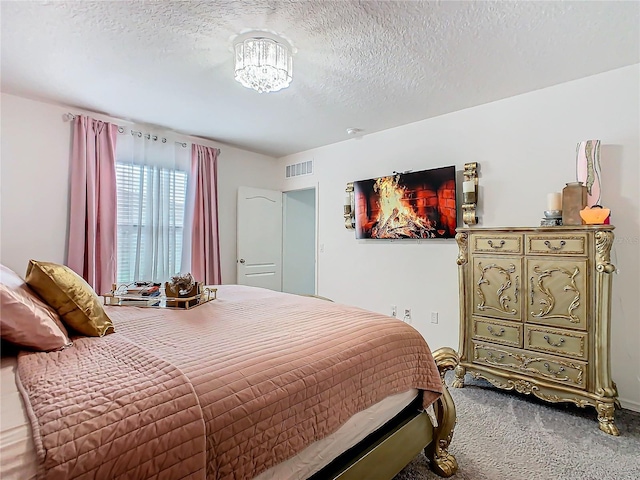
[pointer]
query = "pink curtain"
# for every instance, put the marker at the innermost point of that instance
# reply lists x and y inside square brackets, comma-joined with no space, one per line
[205,240]
[92,218]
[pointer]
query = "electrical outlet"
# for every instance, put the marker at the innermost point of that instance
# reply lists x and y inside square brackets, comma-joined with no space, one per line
[394,311]
[407,315]
[434,317]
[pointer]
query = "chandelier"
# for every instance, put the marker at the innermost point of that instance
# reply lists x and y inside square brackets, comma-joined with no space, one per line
[263,64]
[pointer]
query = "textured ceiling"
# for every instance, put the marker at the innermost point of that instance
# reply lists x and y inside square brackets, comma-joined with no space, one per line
[371,65]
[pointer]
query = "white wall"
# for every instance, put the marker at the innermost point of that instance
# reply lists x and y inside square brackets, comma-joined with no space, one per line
[526,148]
[34,179]
[299,242]
[36,145]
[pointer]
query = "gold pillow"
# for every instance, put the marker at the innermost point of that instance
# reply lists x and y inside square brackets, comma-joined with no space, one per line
[70,296]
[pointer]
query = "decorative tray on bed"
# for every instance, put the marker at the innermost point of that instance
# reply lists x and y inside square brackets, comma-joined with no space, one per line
[120,296]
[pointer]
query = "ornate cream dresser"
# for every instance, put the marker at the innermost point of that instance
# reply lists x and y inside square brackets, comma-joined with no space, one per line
[535,307]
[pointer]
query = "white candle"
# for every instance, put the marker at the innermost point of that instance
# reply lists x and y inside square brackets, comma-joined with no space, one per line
[554,201]
[468,186]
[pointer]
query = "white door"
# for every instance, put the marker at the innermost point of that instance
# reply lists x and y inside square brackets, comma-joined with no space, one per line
[259,238]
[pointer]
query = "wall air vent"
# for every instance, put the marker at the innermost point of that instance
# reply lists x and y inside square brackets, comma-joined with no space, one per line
[298,169]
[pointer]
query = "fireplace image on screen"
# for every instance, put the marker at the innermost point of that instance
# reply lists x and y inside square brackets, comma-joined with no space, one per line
[407,205]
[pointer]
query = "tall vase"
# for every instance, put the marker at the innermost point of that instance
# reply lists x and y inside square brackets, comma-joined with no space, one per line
[574,199]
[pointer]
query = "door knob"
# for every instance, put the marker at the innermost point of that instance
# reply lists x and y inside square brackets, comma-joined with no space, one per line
[242,260]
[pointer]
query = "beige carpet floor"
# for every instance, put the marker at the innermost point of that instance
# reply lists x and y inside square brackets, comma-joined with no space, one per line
[505,435]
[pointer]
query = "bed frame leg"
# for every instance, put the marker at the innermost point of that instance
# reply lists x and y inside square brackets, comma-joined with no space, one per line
[442,462]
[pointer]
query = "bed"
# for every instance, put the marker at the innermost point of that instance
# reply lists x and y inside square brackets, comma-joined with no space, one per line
[256,384]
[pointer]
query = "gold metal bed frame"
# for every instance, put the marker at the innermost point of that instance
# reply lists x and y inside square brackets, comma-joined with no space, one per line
[385,452]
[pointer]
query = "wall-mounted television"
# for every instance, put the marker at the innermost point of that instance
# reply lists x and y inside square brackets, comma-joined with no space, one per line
[407,205]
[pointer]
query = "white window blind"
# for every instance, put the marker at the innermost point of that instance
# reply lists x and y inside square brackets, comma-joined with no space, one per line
[150,218]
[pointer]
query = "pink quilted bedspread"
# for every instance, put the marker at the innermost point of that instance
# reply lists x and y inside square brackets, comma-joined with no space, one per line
[229,388]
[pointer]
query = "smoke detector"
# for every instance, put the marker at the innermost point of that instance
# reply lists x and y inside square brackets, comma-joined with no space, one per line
[353,131]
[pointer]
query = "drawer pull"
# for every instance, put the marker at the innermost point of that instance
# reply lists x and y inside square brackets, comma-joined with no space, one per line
[560,370]
[559,344]
[495,334]
[532,292]
[495,358]
[553,247]
[496,246]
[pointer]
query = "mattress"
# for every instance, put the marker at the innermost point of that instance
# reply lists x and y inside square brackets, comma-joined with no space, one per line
[17,452]
[18,455]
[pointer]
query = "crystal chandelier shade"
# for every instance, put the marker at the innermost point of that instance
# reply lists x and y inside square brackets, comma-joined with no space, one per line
[263,64]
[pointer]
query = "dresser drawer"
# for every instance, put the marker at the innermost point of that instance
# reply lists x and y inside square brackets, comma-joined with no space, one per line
[570,244]
[551,340]
[505,333]
[496,356]
[546,367]
[496,243]
[569,372]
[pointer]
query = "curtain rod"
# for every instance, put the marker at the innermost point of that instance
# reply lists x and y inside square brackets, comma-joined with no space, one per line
[71,116]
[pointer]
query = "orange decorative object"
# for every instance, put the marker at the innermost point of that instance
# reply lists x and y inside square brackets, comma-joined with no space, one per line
[595,215]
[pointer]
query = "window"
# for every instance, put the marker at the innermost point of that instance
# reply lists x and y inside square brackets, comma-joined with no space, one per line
[150,219]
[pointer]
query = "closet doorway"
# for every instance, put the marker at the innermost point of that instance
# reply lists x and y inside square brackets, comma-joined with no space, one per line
[299,255]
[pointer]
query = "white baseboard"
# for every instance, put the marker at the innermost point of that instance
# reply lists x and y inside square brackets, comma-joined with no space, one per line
[630,405]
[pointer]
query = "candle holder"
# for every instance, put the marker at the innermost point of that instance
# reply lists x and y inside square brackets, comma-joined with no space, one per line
[553,213]
[470,193]
[552,218]
[349,211]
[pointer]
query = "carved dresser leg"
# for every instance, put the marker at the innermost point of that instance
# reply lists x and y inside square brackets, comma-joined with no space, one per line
[605,418]
[458,381]
[442,462]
